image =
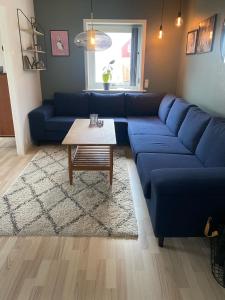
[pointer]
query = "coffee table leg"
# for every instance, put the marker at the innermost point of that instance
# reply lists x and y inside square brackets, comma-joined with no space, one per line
[70,164]
[111,165]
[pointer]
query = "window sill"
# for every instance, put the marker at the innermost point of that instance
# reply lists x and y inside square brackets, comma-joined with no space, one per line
[115,91]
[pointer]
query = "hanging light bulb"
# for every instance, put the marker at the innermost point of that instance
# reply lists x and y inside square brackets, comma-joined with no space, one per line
[179,20]
[93,40]
[161,33]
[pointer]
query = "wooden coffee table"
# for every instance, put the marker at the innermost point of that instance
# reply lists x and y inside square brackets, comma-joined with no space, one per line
[94,149]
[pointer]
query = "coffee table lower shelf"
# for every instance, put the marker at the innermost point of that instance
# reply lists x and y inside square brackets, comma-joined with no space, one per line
[91,158]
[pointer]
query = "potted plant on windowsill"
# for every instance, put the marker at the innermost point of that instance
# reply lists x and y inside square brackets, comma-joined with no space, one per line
[107,75]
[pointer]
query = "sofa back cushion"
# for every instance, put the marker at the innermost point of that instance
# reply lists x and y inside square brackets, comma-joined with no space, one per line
[211,148]
[193,127]
[165,107]
[75,104]
[177,114]
[107,105]
[142,104]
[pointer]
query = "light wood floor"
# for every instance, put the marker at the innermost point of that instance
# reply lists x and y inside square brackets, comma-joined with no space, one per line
[100,268]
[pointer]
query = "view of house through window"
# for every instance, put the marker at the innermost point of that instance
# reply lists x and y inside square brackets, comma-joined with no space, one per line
[126,53]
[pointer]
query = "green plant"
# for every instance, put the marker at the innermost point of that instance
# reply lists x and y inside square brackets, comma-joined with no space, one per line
[107,72]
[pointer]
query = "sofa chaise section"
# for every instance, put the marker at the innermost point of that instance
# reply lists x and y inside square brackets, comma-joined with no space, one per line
[183,199]
[182,191]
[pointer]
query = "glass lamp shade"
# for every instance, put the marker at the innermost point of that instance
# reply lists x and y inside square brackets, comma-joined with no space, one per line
[93,40]
[179,20]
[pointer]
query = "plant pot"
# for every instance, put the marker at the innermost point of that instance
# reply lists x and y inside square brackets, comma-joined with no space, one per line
[106,86]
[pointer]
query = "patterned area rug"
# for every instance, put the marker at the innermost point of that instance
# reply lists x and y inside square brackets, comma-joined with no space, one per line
[41,201]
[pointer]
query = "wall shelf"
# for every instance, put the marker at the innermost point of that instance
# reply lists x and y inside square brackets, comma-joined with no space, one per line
[32,31]
[33,46]
[34,69]
[34,51]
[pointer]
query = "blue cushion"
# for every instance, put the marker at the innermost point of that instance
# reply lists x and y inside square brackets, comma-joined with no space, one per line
[165,107]
[107,105]
[211,148]
[59,123]
[147,125]
[193,127]
[146,162]
[75,104]
[142,104]
[177,114]
[156,144]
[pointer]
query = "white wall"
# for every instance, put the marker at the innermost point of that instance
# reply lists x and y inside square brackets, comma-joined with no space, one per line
[1,54]
[25,88]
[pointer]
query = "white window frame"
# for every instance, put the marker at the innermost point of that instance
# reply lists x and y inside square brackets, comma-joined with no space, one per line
[142,23]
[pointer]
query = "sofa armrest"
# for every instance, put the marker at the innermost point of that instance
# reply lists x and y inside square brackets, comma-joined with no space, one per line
[183,199]
[191,182]
[37,119]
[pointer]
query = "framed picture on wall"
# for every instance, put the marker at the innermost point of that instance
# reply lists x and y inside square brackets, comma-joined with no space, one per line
[206,35]
[191,42]
[60,42]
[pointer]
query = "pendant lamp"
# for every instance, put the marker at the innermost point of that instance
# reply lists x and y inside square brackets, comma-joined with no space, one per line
[160,36]
[179,20]
[92,39]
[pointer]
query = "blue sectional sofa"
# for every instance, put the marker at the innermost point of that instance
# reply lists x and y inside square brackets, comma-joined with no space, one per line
[179,151]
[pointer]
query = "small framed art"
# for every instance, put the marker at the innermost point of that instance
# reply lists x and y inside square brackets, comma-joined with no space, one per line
[206,35]
[60,42]
[191,42]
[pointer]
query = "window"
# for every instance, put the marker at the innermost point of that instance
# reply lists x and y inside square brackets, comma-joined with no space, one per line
[127,50]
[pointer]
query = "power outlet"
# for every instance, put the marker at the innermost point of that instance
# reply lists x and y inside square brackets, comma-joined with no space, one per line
[146,84]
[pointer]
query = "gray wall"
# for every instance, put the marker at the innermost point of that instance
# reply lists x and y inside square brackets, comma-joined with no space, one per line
[202,76]
[67,73]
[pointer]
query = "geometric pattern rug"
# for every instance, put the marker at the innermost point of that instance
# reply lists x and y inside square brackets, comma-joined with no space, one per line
[42,202]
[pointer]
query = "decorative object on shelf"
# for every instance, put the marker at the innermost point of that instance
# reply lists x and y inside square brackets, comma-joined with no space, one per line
[26,63]
[60,42]
[161,33]
[34,52]
[206,35]
[107,75]
[92,39]
[191,42]
[222,43]
[179,20]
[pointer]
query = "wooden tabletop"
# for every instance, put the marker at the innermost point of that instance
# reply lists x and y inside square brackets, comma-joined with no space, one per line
[81,134]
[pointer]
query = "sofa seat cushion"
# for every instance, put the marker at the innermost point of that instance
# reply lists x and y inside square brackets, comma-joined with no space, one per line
[59,123]
[211,148]
[156,144]
[107,105]
[165,107]
[177,114]
[193,127]
[146,162]
[142,104]
[74,104]
[147,125]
